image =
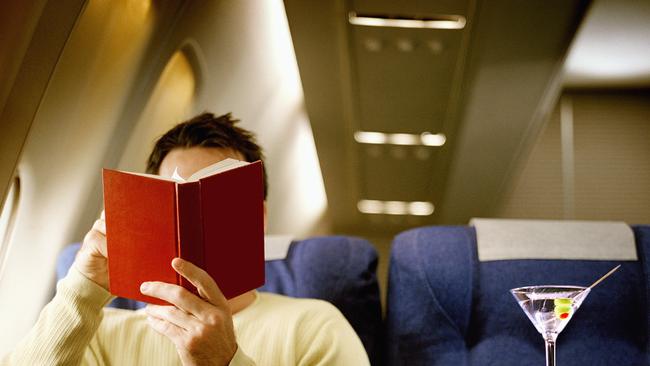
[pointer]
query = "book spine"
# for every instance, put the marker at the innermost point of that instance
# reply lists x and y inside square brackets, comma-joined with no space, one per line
[190,228]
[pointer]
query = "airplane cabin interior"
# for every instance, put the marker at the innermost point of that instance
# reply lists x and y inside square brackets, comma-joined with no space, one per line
[424,158]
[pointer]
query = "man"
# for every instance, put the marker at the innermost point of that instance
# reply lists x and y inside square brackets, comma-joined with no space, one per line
[253,328]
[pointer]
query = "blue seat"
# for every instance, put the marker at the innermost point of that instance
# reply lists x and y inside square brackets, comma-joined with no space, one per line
[444,307]
[338,269]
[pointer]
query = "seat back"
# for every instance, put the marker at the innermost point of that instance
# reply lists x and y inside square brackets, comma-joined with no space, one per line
[338,269]
[444,307]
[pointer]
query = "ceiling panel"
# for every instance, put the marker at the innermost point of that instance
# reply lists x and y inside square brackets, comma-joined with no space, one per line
[403,77]
[487,88]
[612,48]
[397,173]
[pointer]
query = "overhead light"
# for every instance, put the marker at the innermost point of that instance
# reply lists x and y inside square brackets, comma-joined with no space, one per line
[415,208]
[370,206]
[403,139]
[421,208]
[435,22]
[433,139]
[395,208]
[424,139]
[370,137]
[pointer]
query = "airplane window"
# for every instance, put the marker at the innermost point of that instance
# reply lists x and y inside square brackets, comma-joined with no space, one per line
[7,218]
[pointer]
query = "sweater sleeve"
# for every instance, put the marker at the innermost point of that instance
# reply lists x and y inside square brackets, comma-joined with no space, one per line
[329,340]
[65,326]
[240,359]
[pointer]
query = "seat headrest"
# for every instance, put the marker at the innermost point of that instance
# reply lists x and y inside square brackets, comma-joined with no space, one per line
[276,246]
[503,239]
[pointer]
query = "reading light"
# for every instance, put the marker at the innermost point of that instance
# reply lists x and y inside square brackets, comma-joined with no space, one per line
[436,47]
[416,208]
[373,44]
[425,139]
[436,22]
[405,45]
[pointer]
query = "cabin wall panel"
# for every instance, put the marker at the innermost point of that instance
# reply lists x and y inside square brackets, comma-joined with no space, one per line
[98,92]
[251,71]
[65,149]
[612,154]
[612,162]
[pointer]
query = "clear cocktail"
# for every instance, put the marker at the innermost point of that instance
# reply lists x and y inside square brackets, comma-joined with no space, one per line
[550,308]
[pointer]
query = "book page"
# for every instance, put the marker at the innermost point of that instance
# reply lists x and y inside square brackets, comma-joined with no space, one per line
[177,177]
[215,168]
[154,176]
[219,167]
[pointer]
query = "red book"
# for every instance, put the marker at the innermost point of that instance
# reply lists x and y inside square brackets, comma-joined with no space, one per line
[215,220]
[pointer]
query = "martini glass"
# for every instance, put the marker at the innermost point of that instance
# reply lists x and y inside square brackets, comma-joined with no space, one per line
[550,308]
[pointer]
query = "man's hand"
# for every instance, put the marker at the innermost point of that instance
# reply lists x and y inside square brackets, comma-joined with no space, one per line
[200,327]
[91,259]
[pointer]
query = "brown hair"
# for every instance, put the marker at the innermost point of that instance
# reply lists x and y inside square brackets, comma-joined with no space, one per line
[206,130]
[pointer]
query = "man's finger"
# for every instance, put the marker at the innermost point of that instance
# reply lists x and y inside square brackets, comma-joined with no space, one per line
[95,243]
[165,328]
[173,315]
[208,289]
[175,295]
[100,225]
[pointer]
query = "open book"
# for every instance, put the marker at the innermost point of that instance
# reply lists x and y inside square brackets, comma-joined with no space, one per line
[214,219]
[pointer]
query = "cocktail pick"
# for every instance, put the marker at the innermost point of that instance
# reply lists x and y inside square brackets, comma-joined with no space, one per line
[605,276]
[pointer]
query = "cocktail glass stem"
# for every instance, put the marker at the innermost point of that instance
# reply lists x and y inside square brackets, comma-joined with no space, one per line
[550,352]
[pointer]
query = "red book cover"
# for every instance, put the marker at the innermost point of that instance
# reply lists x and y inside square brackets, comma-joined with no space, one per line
[215,222]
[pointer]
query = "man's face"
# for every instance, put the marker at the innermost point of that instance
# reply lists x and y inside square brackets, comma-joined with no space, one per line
[190,160]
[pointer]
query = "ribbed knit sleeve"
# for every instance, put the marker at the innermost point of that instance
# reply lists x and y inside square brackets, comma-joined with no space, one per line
[275,330]
[240,359]
[65,326]
[327,339]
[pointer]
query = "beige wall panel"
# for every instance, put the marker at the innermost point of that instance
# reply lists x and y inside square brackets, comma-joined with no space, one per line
[18,20]
[66,147]
[245,65]
[250,70]
[612,154]
[170,102]
[536,190]
[612,163]
[30,45]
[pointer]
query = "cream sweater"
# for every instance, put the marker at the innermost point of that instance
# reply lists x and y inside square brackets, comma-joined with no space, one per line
[74,329]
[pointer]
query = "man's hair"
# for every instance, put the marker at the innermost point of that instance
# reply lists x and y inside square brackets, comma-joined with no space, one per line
[206,130]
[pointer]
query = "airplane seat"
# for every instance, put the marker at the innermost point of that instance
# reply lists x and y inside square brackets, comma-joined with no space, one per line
[446,307]
[338,269]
